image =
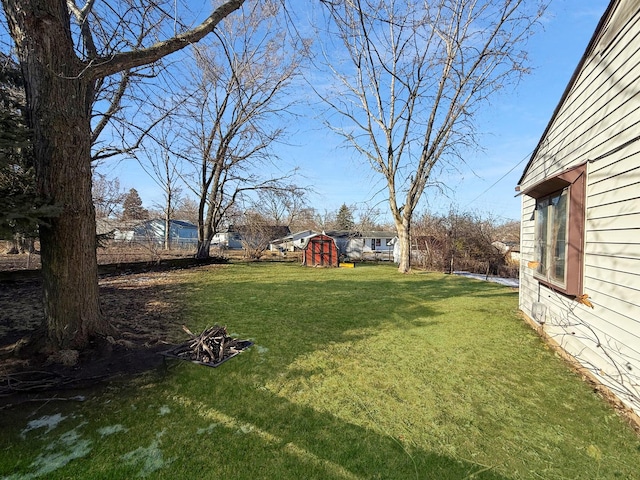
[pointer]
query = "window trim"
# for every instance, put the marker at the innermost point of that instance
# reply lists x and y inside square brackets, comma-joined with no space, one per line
[575,180]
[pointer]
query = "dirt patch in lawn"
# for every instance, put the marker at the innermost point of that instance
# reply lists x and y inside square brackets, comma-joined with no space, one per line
[145,310]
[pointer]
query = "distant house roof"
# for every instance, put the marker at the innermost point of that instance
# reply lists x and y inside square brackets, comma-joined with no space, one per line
[358,234]
[272,231]
[341,234]
[109,225]
[377,234]
[293,236]
[182,223]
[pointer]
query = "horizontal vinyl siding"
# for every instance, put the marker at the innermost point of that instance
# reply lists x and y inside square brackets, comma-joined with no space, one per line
[601,112]
[528,290]
[613,244]
[598,122]
[623,171]
[595,338]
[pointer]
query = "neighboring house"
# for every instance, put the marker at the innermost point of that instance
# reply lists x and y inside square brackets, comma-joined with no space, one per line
[290,242]
[352,245]
[580,237]
[509,251]
[362,245]
[181,233]
[349,243]
[229,238]
[115,229]
[234,237]
[514,252]
[378,242]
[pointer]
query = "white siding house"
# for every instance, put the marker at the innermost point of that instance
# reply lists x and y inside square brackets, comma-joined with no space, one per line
[580,237]
[290,242]
[181,233]
[364,245]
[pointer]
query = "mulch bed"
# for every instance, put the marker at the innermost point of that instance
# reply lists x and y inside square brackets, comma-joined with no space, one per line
[143,308]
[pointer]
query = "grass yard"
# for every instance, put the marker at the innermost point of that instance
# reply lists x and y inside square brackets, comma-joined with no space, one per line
[355,374]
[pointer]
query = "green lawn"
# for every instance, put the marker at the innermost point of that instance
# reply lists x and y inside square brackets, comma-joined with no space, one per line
[355,374]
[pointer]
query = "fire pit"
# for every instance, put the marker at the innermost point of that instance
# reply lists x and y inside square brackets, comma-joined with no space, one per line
[211,348]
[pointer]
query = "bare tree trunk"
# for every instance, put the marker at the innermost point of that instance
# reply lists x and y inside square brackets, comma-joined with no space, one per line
[59,100]
[404,239]
[167,233]
[167,216]
[205,232]
[68,244]
[419,72]
[204,246]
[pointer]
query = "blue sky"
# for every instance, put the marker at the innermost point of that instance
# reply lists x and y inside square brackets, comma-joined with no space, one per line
[513,125]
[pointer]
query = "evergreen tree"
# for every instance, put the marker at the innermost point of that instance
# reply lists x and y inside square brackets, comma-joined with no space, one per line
[20,210]
[132,208]
[344,218]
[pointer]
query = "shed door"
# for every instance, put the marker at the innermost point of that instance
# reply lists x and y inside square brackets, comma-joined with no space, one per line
[322,252]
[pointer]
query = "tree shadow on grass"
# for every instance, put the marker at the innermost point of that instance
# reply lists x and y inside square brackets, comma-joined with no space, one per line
[291,319]
[295,441]
[296,315]
[208,434]
[250,432]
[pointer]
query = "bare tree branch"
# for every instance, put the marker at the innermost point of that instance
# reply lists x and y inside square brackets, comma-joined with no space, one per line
[103,66]
[232,115]
[415,78]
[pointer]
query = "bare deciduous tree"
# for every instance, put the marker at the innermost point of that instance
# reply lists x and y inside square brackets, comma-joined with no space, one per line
[368,218]
[62,67]
[186,209]
[281,207]
[232,117]
[307,219]
[107,195]
[416,75]
[163,166]
[257,232]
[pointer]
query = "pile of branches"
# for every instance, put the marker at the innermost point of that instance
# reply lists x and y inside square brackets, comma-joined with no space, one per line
[212,346]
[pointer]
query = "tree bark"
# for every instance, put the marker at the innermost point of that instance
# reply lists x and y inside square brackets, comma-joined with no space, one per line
[204,247]
[59,101]
[167,223]
[404,240]
[204,230]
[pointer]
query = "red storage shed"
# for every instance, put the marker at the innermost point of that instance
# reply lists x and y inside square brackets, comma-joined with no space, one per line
[321,251]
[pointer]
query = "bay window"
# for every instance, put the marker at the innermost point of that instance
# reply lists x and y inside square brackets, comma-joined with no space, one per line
[559,230]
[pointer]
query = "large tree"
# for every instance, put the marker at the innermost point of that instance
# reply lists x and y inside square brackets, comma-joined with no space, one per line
[281,206]
[164,168]
[414,79]
[243,87]
[62,65]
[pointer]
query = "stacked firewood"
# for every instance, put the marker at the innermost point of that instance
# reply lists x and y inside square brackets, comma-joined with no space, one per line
[213,345]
